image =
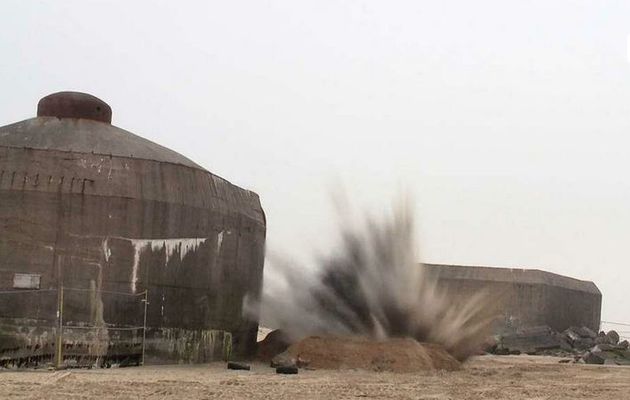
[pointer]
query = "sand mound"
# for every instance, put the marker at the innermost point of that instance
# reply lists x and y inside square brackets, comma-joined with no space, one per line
[395,355]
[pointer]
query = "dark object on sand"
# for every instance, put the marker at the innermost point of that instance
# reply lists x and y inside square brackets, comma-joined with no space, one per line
[238,366]
[283,359]
[287,370]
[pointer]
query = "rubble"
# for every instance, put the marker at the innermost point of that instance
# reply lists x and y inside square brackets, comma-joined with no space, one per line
[530,340]
[581,343]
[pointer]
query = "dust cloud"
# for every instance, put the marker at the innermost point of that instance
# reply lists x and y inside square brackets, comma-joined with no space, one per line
[371,284]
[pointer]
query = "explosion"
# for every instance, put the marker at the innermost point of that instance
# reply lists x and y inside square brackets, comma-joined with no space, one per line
[372,285]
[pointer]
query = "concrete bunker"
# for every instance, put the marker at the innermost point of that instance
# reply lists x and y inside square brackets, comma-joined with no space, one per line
[95,220]
[527,297]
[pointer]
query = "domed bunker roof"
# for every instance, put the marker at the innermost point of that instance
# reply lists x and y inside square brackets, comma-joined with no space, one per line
[79,122]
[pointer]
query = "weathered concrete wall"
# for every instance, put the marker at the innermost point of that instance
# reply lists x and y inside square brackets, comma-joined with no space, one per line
[526,297]
[113,221]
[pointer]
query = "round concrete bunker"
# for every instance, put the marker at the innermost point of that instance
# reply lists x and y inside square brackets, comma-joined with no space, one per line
[91,217]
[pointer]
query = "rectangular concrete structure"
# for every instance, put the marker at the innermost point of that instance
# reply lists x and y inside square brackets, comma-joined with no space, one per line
[526,297]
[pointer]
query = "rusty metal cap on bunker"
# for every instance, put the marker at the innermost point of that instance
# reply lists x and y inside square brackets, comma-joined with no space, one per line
[74,105]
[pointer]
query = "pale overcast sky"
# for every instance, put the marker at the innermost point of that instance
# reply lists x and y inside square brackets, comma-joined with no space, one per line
[508,120]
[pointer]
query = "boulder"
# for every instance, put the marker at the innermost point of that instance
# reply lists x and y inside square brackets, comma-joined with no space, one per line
[581,338]
[564,343]
[586,332]
[583,343]
[593,358]
[571,334]
[604,347]
[532,340]
[607,354]
[613,337]
[283,359]
[601,339]
[274,343]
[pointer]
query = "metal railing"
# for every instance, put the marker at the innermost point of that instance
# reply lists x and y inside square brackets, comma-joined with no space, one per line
[39,312]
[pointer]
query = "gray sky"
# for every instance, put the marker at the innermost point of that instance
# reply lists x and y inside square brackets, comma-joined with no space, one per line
[508,120]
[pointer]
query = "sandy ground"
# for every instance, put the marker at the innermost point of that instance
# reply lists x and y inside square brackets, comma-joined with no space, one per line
[487,377]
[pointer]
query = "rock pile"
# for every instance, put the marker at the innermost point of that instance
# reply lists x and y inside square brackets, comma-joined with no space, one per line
[583,344]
